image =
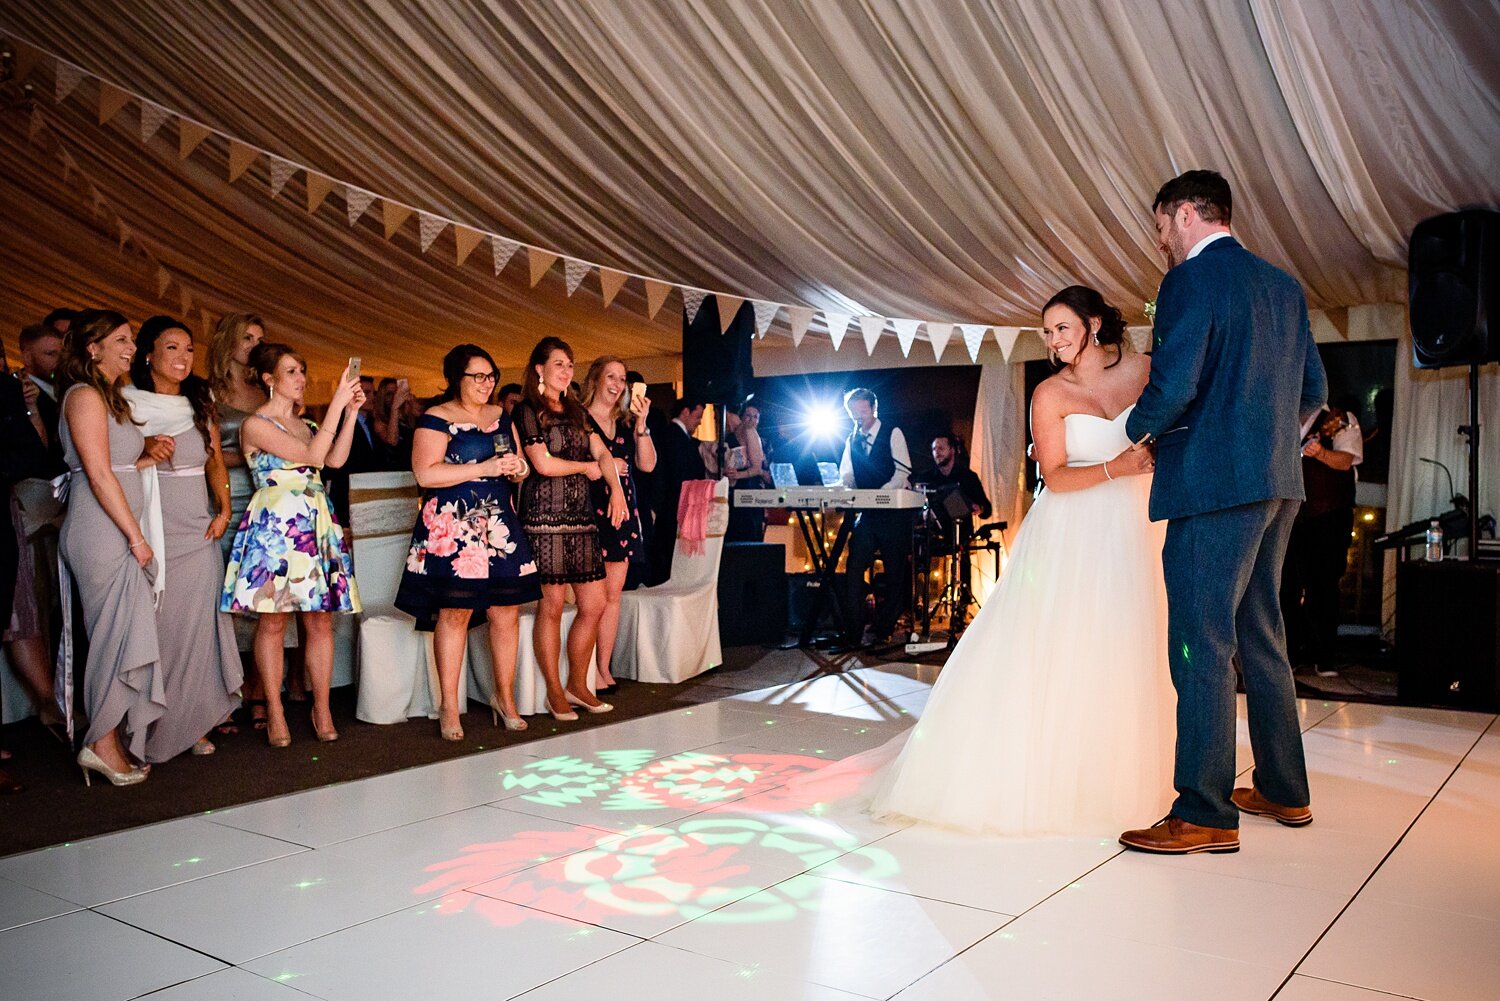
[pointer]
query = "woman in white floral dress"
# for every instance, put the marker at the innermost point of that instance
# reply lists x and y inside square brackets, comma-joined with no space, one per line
[468,552]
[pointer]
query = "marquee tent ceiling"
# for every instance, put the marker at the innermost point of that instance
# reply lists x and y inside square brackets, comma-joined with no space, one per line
[928,158]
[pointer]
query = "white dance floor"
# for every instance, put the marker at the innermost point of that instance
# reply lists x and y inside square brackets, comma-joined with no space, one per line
[665,858]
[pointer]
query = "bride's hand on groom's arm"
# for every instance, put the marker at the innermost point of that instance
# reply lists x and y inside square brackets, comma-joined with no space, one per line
[1134,461]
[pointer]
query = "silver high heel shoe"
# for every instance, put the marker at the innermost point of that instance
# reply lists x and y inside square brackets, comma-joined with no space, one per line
[91,762]
[512,723]
[602,707]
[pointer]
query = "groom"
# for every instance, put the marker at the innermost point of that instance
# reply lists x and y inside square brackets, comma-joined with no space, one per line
[1233,375]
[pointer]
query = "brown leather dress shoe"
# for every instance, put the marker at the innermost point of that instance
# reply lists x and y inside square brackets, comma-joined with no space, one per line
[1175,836]
[1251,801]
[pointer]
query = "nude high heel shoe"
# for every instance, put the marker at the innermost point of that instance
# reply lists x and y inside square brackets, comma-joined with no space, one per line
[91,762]
[602,707]
[513,723]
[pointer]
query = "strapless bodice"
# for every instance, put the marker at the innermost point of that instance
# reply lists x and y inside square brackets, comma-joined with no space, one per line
[1091,440]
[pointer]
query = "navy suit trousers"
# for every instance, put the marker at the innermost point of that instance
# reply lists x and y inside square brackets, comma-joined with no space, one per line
[1223,576]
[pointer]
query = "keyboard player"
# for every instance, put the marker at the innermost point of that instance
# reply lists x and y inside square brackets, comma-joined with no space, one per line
[875,458]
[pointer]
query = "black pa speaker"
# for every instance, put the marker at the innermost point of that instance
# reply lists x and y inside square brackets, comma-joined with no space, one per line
[1448,634]
[715,361]
[1453,271]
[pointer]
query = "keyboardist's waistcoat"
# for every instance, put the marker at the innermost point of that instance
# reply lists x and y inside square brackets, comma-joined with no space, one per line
[875,469]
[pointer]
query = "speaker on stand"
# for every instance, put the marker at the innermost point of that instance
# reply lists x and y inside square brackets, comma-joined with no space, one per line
[716,364]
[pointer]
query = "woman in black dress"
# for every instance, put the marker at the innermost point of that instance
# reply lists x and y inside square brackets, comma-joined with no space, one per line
[558,515]
[468,551]
[619,419]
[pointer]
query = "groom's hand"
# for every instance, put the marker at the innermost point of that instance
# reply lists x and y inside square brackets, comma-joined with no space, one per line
[1134,461]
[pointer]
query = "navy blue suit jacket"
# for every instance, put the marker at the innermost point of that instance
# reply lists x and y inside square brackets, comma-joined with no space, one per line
[1234,372]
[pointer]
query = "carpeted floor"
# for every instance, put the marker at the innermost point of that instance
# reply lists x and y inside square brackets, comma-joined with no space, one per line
[56,806]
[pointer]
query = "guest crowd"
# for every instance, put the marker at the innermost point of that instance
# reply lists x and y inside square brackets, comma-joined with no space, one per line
[197,526]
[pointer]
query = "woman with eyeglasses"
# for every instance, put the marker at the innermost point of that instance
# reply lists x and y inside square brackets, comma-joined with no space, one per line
[468,553]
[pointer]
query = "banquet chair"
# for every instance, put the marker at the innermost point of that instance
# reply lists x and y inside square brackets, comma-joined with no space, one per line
[397,666]
[670,632]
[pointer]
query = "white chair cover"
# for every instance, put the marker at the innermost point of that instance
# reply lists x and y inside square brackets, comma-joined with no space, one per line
[397,668]
[17,704]
[670,633]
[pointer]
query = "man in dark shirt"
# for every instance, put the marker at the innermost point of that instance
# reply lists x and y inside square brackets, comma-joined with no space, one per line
[875,458]
[951,472]
[678,460]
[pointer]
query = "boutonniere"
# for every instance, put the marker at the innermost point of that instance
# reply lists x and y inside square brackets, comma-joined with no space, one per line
[1150,310]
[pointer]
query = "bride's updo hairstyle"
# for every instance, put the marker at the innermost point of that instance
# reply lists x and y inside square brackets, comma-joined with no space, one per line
[1088,305]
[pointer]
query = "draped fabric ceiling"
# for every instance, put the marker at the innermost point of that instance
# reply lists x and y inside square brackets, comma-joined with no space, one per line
[933,159]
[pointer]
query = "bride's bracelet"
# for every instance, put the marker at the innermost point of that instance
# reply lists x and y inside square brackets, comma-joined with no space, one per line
[1106,470]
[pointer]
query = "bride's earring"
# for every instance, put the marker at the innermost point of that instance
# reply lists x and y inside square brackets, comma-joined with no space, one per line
[1096,337]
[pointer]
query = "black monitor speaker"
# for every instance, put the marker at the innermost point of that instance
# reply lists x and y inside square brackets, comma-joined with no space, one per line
[1453,270]
[716,362]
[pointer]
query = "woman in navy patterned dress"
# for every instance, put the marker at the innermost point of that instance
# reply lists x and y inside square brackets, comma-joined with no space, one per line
[619,419]
[468,552]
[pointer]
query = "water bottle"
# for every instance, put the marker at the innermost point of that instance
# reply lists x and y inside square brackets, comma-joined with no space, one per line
[1434,542]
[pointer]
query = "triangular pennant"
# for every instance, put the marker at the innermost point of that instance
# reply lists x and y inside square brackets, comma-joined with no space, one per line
[465,240]
[428,228]
[799,317]
[281,172]
[97,200]
[765,312]
[153,116]
[189,135]
[973,337]
[729,307]
[35,128]
[241,157]
[356,200]
[186,301]
[1006,338]
[28,58]
[541,261]
[163,282]
[838,326]
[395,214]
[503,250]
[610,283]
[111,100]
[656,296]
[68,79]
[574,271]
[206,320]
[692,301]
[69,165]
[318,188]
[125,234]
[906,334]
[871,327]
[939,334]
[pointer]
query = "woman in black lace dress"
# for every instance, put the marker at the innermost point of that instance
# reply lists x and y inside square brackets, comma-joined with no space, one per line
[557,513]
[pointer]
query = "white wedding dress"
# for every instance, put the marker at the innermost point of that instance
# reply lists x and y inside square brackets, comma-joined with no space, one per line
[1055,714]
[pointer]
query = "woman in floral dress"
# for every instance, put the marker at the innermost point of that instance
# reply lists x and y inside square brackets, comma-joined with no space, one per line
[468,552]
[289,555]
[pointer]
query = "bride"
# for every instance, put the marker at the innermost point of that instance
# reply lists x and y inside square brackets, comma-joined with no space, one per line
[1055,713]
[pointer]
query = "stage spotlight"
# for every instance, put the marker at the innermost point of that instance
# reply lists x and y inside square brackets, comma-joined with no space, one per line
[824,421]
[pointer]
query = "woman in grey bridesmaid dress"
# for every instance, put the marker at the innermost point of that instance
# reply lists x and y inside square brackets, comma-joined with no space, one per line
[200,664]
[106,550]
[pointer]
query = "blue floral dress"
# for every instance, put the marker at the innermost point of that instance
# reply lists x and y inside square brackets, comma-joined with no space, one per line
[467,548]
[289,553]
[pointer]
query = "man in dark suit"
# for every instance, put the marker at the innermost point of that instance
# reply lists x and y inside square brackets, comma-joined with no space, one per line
[367,454]
[1233,375]
[678,460]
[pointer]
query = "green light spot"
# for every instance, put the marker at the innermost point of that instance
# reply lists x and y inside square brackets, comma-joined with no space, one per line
[1187,654]
[315,757]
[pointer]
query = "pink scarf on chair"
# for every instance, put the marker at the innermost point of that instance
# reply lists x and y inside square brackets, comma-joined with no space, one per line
[693,506]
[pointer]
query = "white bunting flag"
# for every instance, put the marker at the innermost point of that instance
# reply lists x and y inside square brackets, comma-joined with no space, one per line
[871,327]
[504,250]
[35,128]
[318,188]
[111,100]
[656,296]
[186,302]
[838,326]
[1006,338]
[356,200]
[68,79]
[465,240]
[541,262]
[163,282]
[574,271]
[799,317]
[765,312]
[428,228]
[69,165]
[729,308]
[939,334]
[153,117]
[973,338]
[281,172]
[692,301]
[906,334]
